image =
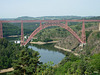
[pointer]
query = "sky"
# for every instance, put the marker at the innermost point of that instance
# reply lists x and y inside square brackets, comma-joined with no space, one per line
[38,8]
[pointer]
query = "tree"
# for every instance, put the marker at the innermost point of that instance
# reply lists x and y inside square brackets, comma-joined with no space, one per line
[26,63]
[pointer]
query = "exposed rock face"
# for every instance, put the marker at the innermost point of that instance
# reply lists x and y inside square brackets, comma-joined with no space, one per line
[94,42]
[69,43]
[92,28]
[92,46]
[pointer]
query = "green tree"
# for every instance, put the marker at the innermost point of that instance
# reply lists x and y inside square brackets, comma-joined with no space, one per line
[26,64]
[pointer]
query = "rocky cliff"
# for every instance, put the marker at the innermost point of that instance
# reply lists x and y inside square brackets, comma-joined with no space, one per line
[92,46]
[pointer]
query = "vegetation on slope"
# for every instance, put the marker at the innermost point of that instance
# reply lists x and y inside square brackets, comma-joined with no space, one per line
[26,63]
[83,65]
[8,52]
[15,28]
[71,42]
[28,27]
[61,33]
[49,18]
[93,43]
[52,33]
[22,59]
[87,64]
[9,29]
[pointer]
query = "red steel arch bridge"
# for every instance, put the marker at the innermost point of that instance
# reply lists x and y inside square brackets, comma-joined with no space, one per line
[47,23]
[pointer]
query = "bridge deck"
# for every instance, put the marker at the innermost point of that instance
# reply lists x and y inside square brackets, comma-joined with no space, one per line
[25,21]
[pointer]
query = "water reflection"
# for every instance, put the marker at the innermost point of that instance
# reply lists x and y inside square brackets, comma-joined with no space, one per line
[48,53]
[49,47]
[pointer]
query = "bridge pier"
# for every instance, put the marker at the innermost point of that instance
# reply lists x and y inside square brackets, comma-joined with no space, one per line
[22,34]
[83,33]
[99,26]
[1,32]
[41,24]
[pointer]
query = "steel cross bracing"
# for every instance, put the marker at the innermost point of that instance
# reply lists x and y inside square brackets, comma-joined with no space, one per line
[47,23]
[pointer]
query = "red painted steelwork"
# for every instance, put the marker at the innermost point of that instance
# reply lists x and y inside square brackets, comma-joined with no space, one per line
[46,24]
[33,34]
[83,33]
[22,34]
[73,33]
[53,24]
[26,21]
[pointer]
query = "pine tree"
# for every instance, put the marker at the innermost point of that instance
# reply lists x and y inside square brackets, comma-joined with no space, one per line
[26,64]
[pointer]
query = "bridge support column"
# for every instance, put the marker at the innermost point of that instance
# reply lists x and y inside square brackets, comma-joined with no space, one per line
[41,24]
[83,33]
[66,24]
[99,26]
[1,32]
[22,34]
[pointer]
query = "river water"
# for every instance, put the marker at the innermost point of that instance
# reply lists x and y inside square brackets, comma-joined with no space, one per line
[48,53]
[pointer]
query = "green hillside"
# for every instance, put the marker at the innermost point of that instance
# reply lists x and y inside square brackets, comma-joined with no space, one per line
[12,55]
[72,65]
[55,32]
[88,63]
[49,18]
[10,29]
[14,28]
[26,61]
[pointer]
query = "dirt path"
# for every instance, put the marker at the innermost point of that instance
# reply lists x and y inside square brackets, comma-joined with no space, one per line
[6,70]
[66,50]
[41,43]
[14,36]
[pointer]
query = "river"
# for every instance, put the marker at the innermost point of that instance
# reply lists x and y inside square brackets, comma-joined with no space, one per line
[48,53]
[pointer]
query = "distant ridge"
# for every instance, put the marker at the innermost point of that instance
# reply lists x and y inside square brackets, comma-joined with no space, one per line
[25,18]
[53,18]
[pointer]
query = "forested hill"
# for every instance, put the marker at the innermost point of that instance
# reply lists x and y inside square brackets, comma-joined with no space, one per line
[52,18]
[88,63]
[49,18]
[12,55]
[20,58]
[10,29]
[58,18]
[95,18]
[44,18]
[15,28]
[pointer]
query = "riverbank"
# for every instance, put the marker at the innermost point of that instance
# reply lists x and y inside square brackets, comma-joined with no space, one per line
[6,70]
[42,43]
[66,50]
